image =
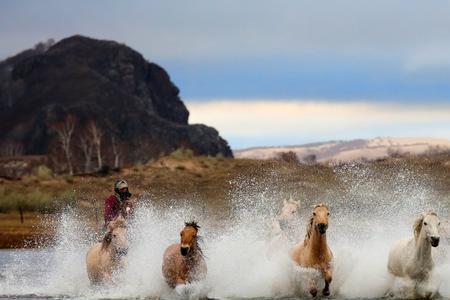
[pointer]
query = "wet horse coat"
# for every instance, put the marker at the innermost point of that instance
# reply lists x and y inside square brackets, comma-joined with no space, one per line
[412,257]
[314,252]
[183,262]
[105,257]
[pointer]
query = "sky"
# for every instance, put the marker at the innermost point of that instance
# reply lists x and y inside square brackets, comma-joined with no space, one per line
[230,57]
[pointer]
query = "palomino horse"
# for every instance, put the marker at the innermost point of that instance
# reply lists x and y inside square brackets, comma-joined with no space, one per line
[314,252]
[105,257]
[283,227]
[412,257]
[183,262]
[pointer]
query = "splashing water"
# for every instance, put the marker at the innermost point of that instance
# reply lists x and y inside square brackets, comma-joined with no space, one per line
[365,220]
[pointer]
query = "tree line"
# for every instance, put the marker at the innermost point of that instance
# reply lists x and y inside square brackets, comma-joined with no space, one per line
[77,147]
[89,140]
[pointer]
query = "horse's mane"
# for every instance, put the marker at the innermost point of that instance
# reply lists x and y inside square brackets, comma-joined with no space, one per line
[118,222]
[196,227]
[309,227]
[417,227]
[192,224]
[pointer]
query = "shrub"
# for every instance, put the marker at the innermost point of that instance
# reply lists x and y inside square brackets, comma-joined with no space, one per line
[36,201]
[180,167]
[181,153]
[43,172]
[68,179]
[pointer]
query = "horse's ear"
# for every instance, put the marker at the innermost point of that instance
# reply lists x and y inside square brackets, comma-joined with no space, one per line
[418,226]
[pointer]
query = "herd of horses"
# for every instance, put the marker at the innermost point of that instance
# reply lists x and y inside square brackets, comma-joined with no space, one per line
[184,262]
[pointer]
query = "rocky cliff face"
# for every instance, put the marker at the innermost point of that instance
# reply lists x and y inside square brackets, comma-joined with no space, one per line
[101,81]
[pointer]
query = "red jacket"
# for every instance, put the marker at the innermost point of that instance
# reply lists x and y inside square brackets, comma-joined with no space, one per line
[112,208]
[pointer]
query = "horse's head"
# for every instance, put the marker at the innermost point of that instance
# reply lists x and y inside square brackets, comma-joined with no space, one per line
[319,219]
[428,224]
[290,209]
[188,237]
[117,237]
[127,208]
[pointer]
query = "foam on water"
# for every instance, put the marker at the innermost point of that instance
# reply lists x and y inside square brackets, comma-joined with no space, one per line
[365,221]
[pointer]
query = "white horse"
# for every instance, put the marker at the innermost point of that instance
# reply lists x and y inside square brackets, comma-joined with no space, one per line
[284,227]
[411,258]
[105,257]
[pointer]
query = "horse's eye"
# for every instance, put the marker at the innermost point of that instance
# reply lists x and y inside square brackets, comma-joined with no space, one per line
[293,212]
[328,214]
[314,213]
[114,235]
[425,223]
[439,223]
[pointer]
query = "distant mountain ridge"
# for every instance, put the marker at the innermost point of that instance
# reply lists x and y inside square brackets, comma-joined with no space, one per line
[101,81]
[358,149]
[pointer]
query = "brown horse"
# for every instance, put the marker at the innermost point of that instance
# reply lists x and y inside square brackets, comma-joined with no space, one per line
[314,252]
[184,262]
[106,256]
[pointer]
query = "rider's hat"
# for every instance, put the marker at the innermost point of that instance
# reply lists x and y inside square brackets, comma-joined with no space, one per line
[120,184]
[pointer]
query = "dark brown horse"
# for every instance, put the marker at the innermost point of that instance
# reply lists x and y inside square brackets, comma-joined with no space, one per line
[184,262]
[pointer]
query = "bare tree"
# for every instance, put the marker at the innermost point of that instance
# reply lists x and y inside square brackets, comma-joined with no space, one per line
[11,148]
[65,131]
[96,134]
[86,146]
[116,150]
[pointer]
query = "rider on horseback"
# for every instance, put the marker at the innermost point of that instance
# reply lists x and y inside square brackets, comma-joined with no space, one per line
[113,203]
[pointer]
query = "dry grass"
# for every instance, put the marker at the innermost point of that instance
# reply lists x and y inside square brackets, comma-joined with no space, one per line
[213,181]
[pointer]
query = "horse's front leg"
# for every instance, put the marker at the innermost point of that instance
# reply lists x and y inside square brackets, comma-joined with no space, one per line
[327,276]
[312,287]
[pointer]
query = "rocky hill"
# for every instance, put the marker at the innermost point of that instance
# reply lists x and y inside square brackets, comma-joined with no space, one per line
[131,101]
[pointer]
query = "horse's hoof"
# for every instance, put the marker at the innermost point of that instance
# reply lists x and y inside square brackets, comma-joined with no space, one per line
[326,293]
[313,292]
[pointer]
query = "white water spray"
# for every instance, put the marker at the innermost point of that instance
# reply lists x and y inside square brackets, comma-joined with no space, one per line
[365,221]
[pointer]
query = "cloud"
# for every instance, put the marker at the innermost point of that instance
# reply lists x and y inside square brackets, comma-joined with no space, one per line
[229,30]
[271,122]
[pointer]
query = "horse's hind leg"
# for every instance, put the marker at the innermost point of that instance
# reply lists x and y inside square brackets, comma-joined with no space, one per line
[328,277]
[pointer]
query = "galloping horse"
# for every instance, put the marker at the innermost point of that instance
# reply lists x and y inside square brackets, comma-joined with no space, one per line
[183,262]
[105,257]
[314,252]
[282,224]
[412,257]
[283,227]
